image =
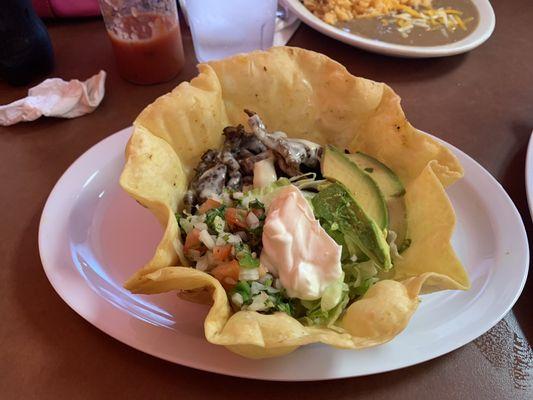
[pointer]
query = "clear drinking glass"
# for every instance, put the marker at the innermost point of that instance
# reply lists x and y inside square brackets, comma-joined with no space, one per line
[146,38]
[221,28]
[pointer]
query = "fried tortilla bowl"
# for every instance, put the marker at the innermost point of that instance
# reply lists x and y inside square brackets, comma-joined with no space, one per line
[307,95]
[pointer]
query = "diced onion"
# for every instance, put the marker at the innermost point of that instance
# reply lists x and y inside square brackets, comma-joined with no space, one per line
[259,303]
[257,288]
[252,220]
[220,241]
[265,277]
[202,226]
[229,281]
[197,218]
[248,274]
[234,239]
[245,201]
[186,225]
[206,239]
[202,263]
[237,299]
[194,254]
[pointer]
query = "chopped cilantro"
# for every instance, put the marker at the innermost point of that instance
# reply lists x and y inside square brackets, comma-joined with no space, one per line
[256,204]
[214,224]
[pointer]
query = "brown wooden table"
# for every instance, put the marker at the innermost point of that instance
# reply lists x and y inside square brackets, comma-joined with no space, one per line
[481,102]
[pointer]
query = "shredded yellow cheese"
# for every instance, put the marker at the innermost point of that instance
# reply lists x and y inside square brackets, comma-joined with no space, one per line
[427,19]
[460,22]
[334,11]
[410,11]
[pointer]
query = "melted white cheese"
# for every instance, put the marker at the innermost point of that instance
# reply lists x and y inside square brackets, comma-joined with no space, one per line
[297,249]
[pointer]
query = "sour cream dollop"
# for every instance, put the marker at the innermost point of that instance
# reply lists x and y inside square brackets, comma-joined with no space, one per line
[297,249]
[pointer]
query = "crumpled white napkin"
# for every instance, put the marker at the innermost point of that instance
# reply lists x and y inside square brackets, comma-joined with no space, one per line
[56,98]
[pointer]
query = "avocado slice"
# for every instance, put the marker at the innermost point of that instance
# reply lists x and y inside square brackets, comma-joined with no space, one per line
[349,225]
[393,190]
[336,166]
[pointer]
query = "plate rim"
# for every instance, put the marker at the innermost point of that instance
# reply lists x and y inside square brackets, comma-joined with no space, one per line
[479,36]
[524,247]
[529,174]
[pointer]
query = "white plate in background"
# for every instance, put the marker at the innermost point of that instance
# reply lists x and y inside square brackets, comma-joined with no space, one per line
[482,32]
[92,236]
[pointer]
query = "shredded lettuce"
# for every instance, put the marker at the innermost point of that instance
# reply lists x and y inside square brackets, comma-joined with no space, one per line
[359,277]
[315,315]
[308,196]
[307,181]
[267,281]
[333,295]
[258,287]
[285,307]
[237,299]
[328,309]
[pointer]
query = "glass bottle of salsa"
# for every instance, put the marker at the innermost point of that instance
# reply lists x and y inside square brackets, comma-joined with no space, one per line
[146,39]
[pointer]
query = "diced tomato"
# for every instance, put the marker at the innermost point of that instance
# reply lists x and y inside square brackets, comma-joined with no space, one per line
[227,274]
[222,253]
[192,241]
[208,205]
[235,217]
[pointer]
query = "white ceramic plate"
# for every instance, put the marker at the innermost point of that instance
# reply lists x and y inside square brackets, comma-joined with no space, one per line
[476,38]
[529,174]
[92,236]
